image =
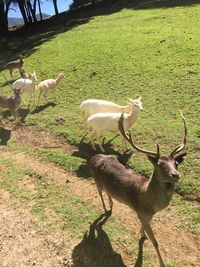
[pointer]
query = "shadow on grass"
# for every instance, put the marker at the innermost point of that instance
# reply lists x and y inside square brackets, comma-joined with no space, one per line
[8,83]
[139,259]
[95,248]
[43,107]
[5,135]
[23,113]
[32,36]
[85,151]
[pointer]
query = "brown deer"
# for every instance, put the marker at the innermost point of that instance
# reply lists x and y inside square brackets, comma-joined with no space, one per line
[11,103]
[145,196]
[17,64]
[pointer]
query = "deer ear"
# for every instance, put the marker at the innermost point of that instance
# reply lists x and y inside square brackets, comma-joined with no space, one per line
[179,159]
[153,159]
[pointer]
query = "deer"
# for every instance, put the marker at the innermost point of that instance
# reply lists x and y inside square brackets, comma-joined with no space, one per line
[49,85]
[17,64]
[11,103]
[108,121]
[145,196]
[91,106]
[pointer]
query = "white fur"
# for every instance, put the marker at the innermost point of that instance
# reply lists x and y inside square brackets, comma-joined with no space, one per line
[50,84]
[26,85]
[108,121]
[92,106]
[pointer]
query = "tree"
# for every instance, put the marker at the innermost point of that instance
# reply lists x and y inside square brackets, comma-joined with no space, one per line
[4,8]
[31,9]
[55,7]
[39,7]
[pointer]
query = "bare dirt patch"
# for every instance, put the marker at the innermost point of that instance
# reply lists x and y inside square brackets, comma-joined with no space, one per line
[31,136]
[21,242]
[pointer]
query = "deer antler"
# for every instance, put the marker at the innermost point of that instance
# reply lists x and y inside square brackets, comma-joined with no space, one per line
[182,146]
[129,139]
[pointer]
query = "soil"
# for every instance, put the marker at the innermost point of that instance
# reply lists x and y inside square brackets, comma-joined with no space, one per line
[23,243]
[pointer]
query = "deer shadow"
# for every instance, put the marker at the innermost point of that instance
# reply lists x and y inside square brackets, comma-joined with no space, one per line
[95,249]
[139,260]
[8,83]
[85,151]
[23,113]
[5,135]
[43,107]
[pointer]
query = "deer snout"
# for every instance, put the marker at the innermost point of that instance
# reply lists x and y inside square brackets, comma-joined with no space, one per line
[175,175]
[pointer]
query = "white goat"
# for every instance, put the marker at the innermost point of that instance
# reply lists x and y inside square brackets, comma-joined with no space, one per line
[92,106]
[49,85]
[108,121]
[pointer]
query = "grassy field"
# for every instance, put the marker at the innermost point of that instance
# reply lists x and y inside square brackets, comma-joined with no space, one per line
[149,53]
[153,53]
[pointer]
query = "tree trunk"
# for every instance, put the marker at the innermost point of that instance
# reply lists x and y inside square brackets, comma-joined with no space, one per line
[3,28]
[22,10]
[28,14]
[40,11]
[31,11]
[55,7]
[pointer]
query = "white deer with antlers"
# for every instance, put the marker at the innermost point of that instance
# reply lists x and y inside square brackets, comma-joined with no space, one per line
[145,196]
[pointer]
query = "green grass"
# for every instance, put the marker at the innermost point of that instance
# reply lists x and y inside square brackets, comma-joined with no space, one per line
[57,156]
[58,210]
[150,52]
[74,215]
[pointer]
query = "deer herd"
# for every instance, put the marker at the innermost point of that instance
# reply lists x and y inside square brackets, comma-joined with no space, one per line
[146,196]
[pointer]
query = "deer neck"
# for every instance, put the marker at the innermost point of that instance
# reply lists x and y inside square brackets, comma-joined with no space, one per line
[58,80]
[33,80]
[160,192]
[132,117]
[17,100]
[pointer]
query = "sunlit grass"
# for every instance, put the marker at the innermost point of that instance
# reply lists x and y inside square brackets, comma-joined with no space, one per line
[152,53]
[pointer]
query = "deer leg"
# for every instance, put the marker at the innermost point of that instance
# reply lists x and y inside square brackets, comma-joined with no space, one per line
[98,138]
[11,73]
[15,115]
[149,232]
[40,94]
[142,239]
[99,143]
[125,148]
[23,101]
[110,201]
[101,196]
[92,140]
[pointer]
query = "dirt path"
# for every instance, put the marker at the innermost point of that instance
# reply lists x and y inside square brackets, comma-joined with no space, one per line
[21,242]
[22,245]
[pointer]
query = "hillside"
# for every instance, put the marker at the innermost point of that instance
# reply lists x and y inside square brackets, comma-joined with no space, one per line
[12,21]
[113,54]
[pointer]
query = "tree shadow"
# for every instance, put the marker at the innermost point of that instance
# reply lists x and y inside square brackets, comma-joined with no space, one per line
[5,135]
[95,249]
[32,36]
